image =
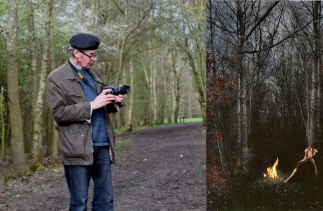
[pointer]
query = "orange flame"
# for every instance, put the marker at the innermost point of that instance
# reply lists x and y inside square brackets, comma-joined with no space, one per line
[272,173]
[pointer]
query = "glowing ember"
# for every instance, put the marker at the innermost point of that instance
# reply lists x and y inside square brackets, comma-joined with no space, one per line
[272,173]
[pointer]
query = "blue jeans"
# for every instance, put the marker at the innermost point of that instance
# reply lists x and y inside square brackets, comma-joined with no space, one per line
[78,179]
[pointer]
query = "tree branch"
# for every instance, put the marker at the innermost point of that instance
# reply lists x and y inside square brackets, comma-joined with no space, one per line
[118,6]
[307,8]
[38,5]
[289,36]
[261,19]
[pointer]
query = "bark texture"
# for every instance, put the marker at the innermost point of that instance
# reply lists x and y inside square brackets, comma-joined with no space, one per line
[130,96]
[34,70]
[3,140]
[54,143]
[118,115]
[38,126]
[17,139]
[312,123]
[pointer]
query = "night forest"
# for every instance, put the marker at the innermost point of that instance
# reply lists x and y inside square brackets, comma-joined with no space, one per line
[264,104]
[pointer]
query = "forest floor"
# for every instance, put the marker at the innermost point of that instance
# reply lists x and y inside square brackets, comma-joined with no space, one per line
[251,191]
[162,169]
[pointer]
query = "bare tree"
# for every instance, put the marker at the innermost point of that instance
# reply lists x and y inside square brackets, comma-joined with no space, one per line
[54,139]
[177,71]
[38,127]
[17,139]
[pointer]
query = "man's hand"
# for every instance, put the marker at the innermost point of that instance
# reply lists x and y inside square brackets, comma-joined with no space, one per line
[103,99]
[119,98]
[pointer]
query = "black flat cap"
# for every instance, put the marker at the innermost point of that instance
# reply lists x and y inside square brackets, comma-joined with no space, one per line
[84,41]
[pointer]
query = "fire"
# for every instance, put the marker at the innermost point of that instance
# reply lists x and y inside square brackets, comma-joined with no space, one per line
[272,173]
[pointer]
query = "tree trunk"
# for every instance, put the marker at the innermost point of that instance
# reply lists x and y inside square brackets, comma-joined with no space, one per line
[17,139]
[54,143]
[312,113]
[118,115]
[250,99]
[198,66]
[169,118]
[242,124]
[238,112]
[162,106]
[150,107]
[162,97]
[189,106]
[318,116]
[177,99]
[176,87]
[149,81]
[154,80]
[198,84]
[93,16]
[37,136]
[3,141]
[307,107]
[315,69]
[122,47]
[171,103]
[34,72]
[130,96]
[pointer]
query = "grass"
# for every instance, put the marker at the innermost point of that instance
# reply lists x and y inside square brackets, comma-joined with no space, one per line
[137,128]
[121,145]
[254,193]
[251,191]
[42,189]
[41,168]
[191,120]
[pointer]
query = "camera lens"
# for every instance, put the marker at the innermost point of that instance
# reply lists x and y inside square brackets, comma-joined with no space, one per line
[116,91]
[119,90]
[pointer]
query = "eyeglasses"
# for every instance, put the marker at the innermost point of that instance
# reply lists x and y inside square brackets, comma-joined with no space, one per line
[91,57]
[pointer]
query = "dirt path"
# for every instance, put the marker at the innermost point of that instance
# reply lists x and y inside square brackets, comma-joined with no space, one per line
[164,169]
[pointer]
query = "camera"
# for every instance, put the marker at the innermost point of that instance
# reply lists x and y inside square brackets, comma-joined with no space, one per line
[120,90]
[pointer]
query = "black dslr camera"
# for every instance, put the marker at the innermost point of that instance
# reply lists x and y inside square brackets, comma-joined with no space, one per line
[120,90]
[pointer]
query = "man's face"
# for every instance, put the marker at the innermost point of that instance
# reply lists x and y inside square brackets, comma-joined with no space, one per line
[83,60]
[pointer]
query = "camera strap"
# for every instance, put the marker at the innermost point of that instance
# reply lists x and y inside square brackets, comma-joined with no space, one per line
[82,78]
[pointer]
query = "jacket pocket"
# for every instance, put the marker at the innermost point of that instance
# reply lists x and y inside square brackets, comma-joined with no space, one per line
[72,138]
[72,98]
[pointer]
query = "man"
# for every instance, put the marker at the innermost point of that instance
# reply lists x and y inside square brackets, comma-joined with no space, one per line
[80,106]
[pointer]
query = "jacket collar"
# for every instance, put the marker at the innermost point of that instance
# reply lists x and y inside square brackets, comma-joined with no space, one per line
[70,75]
[69,72]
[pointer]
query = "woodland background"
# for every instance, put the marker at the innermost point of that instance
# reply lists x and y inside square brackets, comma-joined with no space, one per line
[157,47]
[264,87]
